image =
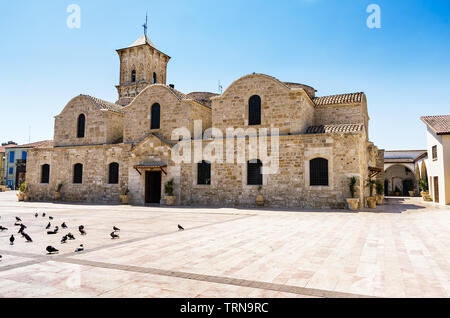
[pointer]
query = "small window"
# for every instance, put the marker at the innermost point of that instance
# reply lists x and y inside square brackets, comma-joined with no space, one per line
[24,155]
[254,110]
[133,76]
[78,173]
[154,78]
[434,152]
[45,174]
[11,170]
[318,172]
[113,173]
[204,173]
[81,126]
[254,172]
[155,116]
[11,156]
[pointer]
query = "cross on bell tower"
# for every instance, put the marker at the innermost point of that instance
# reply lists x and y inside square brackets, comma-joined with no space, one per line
[145,26]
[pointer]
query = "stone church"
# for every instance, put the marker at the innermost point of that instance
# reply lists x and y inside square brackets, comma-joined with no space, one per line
[101,149]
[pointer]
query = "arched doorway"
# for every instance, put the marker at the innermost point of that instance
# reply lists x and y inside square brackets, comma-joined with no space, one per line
[399,179]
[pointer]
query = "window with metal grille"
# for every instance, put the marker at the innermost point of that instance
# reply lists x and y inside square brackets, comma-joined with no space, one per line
[155,116]
[133,76]
[204,173]
[78,173]
[254,110]
[113,173]
[81,126]
[45,173]
[318,172]
[154,78]
[434,152]
[254,172]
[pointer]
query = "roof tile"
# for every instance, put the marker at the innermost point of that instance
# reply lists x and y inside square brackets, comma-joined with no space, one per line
[339,99]
[339,128]
[439,124]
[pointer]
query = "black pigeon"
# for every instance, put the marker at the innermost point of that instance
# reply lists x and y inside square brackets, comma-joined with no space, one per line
[36,215]
[22,227]
[27,237]
[3,228]
[116,229]
[79,249]
[43,215]
[55,231]
[50,217]
[64,239]
[180,228]
[82,231]
[18,219]
[81,227]
[114,235]
[48,226]
[11,240]
[17,224]
[64,226]
[70,236]
[51,250]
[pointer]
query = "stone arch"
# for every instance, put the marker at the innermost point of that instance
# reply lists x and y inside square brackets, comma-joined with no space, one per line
[400,176]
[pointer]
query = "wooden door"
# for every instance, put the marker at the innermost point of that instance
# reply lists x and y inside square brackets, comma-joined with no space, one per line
[436,189]
[153,187]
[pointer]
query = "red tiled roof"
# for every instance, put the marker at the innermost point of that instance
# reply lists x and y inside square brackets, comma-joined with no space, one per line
[340,128]
[439,124]
[38,144]
[339,99]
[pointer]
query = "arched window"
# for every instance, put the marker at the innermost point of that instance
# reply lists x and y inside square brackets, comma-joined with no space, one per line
[254,172]
[81,126]
[204,173]
[155,116]
[113,173]
[318,172]
[78,173]
[45,173]
[133,76]
[254,110]
[154,78]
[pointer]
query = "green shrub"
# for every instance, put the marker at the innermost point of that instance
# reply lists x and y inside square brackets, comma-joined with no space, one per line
[168,188]
[352,185]
[379,187]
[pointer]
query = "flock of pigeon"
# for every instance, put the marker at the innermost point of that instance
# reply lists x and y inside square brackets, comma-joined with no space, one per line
[50,249]
[68,237]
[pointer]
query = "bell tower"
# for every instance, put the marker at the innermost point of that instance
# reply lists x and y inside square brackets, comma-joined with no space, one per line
[141,64]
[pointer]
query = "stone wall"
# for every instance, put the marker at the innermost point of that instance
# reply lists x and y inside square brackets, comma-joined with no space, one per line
[289,109]
[95,160]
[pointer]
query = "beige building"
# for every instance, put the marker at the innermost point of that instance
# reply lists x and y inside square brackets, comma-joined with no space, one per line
[101,148]
[438,140]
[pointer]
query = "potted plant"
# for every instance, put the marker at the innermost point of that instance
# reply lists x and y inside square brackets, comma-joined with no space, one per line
[259,198]
[22,192]
[125,197]
[379,187]
[353,203]
[423,186]
[397,191]
[168,189]
[371,200]
[58,192]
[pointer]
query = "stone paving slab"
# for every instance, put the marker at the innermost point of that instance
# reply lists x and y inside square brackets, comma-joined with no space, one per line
[402,252]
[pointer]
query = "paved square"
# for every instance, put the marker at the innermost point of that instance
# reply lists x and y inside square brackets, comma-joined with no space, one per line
[400,251]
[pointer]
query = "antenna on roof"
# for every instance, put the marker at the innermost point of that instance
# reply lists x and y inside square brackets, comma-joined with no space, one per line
[220,88]
[145,26]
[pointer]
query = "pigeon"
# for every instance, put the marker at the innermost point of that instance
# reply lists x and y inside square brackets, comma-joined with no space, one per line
[22,227]
[82,231]
[27,237]
[116,229]
[180,228]
[81,227]
[11,240]
[3,228]
[114,235]
[64,226]
[51,250]
[17,224]
[55,231]
[79,249]
[48,226]
[70,236]
[50,217]
[18,219]
[36,215]
[0,257]
[43,215]
[64,239]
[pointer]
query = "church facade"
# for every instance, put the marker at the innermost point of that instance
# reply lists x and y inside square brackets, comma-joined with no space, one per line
[101,149]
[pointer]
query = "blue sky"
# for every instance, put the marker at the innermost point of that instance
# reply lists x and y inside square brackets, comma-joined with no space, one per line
[404,67]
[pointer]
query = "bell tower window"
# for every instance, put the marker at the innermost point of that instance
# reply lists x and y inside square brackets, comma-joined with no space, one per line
[133,76]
